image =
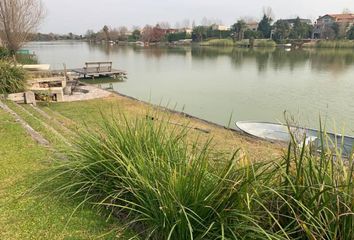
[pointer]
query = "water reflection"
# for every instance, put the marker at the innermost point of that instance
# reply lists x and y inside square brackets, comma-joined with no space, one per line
[329,60]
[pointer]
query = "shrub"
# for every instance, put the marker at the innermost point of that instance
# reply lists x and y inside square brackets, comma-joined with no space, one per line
[12,78]
[4,53]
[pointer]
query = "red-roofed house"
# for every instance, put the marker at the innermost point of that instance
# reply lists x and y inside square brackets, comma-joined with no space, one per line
[327,25]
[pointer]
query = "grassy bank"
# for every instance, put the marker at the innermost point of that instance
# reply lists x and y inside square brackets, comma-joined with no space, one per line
[76,113]
[243,43]
[330,44]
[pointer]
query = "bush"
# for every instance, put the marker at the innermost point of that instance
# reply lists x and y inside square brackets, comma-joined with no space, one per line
[12,78]
[167,187]
[4,53]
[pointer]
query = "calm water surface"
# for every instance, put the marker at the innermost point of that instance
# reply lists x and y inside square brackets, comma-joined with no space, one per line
[213,83]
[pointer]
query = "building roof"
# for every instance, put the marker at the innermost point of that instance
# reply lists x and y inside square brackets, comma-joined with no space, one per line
[293,20]
[340,17]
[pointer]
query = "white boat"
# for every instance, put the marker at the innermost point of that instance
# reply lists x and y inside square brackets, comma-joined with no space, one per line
[281,133]
[36,67]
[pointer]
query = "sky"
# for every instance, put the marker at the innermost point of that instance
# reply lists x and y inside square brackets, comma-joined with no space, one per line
[77,16]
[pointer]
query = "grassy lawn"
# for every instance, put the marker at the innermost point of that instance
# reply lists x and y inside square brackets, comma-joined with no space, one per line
[26,214]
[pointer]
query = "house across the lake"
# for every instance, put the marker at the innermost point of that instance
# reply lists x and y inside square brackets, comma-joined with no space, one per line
[220,27]
[252,25]
[292,21]
[327,25]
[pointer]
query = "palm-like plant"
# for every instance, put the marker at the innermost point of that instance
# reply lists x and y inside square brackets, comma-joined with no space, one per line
[239,29]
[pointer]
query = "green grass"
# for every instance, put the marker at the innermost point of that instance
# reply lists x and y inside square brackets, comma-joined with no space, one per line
[335,44]
[168,187]
[28,212]
[219,42]
[244,43]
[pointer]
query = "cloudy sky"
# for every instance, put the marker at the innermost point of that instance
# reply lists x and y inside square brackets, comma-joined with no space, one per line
[77,16]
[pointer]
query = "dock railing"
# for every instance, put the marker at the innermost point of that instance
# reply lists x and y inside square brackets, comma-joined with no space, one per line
[98,67]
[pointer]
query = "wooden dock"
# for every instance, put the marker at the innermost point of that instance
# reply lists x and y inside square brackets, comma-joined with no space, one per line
[99,69]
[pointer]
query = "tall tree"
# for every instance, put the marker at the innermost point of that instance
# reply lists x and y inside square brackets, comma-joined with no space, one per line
[199,33]
[239,29]
[123,33]
[18,20]
[264,26]
[105,30]
[300,29]
[136,34]
[90,35]
[350,33]
[282,30]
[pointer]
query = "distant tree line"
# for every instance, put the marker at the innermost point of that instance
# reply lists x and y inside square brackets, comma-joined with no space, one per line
[266,28]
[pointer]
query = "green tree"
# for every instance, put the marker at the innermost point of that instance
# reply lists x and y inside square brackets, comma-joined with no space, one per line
[300,30]
[199,33]
[106,33]
[336,28]
[264,26]
[136,35]
[282,30]
[173,37]
[252,34]
[350,33]
[239,29]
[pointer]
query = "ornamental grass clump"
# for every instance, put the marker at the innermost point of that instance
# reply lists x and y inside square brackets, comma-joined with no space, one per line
[312,194]
[149,174]
[12,78]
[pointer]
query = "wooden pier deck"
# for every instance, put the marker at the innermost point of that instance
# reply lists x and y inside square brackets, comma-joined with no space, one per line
[99,69]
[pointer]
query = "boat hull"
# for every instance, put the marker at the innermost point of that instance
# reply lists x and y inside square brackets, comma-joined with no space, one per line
[284,133]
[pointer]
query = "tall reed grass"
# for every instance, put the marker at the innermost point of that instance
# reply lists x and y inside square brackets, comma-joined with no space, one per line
[335,44]
[166,186]
[219,43]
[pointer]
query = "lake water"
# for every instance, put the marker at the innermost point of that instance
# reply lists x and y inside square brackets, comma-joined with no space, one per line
[215,83]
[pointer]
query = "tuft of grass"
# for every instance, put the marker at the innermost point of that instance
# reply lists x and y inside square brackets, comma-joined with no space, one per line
[12,78]
[166,187]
